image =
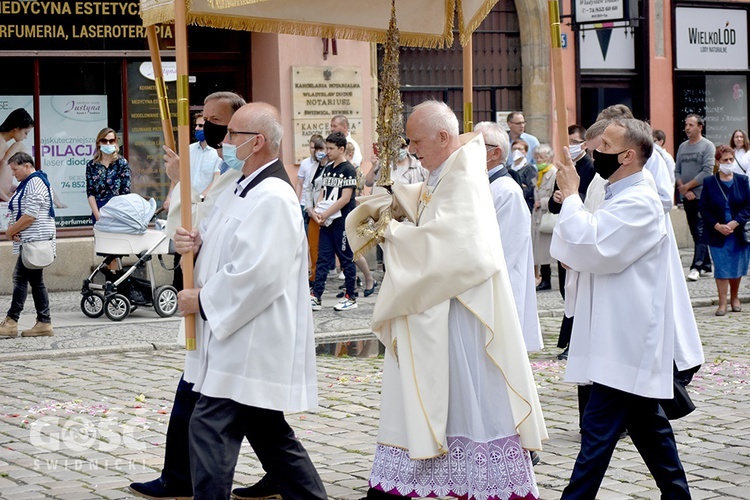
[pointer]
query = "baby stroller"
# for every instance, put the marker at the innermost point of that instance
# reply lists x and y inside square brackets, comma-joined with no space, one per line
[117,291]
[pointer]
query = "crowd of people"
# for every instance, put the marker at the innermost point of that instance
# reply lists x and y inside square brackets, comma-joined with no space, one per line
[456,311]
[468,232]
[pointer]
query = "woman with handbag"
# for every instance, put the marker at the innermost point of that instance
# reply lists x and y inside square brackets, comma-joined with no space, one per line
[725,208]
[33,234]
[542,220]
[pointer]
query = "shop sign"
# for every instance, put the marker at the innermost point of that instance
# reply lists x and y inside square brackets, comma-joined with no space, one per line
[598,11]
[711,39]
[68,128]
[76,25]
[144,126]
[607,49]
[318,94]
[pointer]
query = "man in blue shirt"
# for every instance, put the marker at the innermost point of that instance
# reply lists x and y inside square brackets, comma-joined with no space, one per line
[517,126]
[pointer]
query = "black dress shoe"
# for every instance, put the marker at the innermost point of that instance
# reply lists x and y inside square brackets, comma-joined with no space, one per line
[159,488]
[262,490]
[544,285]
[563,355]
[369,291]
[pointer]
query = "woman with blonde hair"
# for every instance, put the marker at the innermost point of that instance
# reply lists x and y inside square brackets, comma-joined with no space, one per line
[107,174]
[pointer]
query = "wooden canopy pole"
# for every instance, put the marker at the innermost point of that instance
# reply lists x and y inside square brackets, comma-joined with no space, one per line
[183,141]
[161,87]
[468,77]
[561,110]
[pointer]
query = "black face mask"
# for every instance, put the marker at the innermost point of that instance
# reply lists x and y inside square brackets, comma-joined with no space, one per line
[214,134]
[606,164]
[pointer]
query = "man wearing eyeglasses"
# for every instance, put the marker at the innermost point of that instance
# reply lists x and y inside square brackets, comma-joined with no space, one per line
[514,220]
[255,355]
[517,126]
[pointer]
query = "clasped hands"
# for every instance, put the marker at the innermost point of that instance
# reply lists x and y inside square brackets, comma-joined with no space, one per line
[726,229]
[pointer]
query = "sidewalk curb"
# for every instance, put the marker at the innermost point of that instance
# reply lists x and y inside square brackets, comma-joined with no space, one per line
[320,338]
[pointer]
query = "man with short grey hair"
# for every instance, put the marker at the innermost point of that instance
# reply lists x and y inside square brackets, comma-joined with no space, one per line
[514,221]
[693,163]
[624,339]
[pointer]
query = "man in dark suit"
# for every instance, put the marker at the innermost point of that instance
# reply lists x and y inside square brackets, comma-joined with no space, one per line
[585,169]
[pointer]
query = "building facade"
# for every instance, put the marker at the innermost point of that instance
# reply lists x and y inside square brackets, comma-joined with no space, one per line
[81,65]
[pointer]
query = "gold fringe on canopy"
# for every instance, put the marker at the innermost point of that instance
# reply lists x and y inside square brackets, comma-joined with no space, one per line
[228,4]
[157,12]
[466,30]
[162,11]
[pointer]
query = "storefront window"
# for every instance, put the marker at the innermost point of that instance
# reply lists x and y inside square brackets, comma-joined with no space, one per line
[711,56]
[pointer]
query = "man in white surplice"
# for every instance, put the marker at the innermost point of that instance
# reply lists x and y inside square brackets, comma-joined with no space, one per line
[255,354]
[514,220]
[623,337]
[459,406]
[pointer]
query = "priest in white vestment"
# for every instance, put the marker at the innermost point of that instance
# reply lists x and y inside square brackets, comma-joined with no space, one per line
[459,408]
[514,221]
[623,339]
[255,356]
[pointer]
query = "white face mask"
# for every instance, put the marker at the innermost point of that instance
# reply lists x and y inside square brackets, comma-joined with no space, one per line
[725,169]
[518,154]
[575,151]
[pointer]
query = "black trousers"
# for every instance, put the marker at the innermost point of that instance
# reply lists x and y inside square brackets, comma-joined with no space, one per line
[177,453]
[216,431]
[332,243]
[701,255]
[545,271]
[608,413]
[22,278]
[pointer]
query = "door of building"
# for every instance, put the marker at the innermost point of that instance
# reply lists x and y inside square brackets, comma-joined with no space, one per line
[438,73]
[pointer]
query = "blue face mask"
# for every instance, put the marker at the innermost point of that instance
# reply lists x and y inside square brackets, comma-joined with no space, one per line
[200,135]
[402,153]
[108,149]
[230,155]
[319,155]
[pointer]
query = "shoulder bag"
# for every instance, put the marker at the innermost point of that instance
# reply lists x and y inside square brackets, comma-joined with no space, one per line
[37,254]
[547,224]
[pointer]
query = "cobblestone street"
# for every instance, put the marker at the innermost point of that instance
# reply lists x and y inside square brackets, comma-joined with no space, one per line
[84,413]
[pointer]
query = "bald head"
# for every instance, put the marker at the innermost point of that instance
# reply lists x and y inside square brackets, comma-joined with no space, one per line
[432,129]
[256,131]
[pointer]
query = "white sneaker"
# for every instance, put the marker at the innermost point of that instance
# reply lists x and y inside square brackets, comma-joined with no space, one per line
[346,304]
[315,303]
[707,273]
[693,275]
[341,276]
